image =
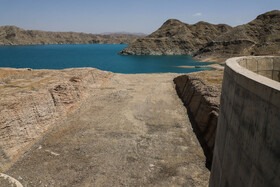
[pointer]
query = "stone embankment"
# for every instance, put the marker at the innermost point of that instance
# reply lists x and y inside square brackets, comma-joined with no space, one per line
[32,101]
[200,92]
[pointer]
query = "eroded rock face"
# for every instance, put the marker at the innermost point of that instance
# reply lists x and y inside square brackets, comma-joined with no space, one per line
[200,92]
[31,102]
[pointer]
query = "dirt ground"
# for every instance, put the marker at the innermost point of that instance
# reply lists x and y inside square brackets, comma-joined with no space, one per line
[132,131]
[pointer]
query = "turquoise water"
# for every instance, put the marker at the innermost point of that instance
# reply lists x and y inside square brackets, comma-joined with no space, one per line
[101,56]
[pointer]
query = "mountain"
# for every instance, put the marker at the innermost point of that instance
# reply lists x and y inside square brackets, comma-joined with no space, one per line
[12,35]
[258,37]
[130,33]
[176,38]
[208,42]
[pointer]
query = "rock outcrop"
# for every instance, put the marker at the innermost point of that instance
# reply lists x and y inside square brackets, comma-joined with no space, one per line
[208,42]
[12,35]
[32,102]
[176,38]
[200,92]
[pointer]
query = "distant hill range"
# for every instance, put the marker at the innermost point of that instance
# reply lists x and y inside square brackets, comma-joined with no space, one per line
[12,35]
[209,42]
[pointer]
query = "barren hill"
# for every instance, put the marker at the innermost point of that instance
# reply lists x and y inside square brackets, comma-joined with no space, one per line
[208,42]
[259,37]
[12,35]
[176,38]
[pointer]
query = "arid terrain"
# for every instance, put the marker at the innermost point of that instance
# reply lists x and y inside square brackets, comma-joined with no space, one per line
[12,35]
[210,42]
[85,127]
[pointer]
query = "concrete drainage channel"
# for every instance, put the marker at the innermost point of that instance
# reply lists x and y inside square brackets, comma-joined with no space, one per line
[8,181]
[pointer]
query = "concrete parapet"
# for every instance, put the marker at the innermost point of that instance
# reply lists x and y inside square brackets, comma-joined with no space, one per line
[265,66]
[247,145]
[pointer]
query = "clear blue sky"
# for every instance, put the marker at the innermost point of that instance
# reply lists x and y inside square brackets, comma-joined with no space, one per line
[98,16]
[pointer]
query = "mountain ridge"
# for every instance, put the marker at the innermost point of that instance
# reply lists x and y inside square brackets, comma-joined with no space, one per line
[210,42]
[13,35]
[176,38]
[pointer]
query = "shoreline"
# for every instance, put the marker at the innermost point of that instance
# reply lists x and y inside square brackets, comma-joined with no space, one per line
[4,45]
[218,67]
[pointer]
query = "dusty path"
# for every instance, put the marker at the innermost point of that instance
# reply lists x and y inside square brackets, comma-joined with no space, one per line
[133,131]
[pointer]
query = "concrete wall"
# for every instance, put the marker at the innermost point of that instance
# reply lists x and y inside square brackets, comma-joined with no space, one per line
[247,145]
[265,66]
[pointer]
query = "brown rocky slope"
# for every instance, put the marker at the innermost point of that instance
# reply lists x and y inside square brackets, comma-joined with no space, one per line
[176,38]
[208,42]
[258,37]
[12,35]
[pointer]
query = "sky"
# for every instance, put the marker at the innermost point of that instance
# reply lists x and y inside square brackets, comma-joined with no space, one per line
[135,16]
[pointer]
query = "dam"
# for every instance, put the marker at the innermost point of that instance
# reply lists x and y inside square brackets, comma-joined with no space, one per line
[247,145]
[123,125]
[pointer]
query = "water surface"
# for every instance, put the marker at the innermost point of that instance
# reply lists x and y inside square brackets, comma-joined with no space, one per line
[101,56]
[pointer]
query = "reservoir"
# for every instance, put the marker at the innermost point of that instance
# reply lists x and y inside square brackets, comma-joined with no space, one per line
[101,56]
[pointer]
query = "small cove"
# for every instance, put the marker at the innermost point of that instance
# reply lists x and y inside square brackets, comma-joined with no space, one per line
[101,56]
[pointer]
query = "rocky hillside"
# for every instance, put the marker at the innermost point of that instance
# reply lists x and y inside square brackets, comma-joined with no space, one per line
[259,37]
[176,38]
[11,35]
[208,42]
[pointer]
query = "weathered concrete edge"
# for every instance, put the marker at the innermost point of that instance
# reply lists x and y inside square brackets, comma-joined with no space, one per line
[233,163]
[234,65]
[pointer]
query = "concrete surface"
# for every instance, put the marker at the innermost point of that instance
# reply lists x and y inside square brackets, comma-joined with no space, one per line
[247,146]
[268,66]
[132,131]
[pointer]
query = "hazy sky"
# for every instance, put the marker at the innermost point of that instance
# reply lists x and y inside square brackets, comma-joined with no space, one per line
[98,16]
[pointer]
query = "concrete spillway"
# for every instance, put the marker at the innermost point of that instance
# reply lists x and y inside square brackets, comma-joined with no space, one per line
[247,145]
